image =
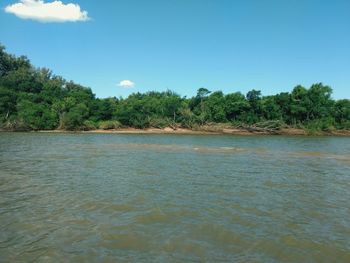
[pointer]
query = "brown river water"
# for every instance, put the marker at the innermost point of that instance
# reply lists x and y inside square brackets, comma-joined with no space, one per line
[173,198]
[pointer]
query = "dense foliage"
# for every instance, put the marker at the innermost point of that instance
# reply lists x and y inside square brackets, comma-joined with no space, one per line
[35,99]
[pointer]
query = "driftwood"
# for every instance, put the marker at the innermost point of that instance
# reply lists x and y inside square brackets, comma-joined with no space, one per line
[270,127]
[263,130]
[174,127]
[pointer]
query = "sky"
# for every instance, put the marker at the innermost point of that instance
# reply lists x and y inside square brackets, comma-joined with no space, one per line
[125,46]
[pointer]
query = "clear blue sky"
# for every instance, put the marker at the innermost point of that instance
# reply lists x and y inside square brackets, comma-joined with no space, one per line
[186,44]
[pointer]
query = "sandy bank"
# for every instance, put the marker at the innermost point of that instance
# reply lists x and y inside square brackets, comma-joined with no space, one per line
[232,131]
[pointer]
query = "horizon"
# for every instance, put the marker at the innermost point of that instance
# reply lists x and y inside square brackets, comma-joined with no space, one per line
[156,46]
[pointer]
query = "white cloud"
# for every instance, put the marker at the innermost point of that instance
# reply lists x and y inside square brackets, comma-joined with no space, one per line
[126,84]
[55,11]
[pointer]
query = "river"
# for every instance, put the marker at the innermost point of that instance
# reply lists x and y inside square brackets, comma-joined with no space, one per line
[173,198]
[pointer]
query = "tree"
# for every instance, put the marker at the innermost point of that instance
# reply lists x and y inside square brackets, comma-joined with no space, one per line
[75,117]
[270,109]
[11,63]
[35,98]
[342,114]
[320,105]
[283,100]
[254,99]
[235,106]
[36,116]
[171,104]
[215,104]
[103,109]
[300,104]
[202,93]
[7,103]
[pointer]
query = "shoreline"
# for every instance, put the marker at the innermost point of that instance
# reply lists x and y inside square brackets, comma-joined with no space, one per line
[206,131]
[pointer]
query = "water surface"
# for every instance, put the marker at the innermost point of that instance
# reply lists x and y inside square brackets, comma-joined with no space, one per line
[173,198]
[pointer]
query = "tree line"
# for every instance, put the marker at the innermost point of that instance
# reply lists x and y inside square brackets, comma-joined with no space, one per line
[35,99]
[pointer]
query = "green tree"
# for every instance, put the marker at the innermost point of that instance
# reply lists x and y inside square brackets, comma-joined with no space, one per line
[171,103]
[7,103]
[215,105]
[342,113]
[320,105]
[283,100]
[270,108]
[300,105]
[36,116]
[202,94]
[254,99]
[236,106]
[74,119]
[34,98]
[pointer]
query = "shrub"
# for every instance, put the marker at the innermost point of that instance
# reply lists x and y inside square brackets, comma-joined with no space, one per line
[110,125]
[273,124]
[89,125]
[15,124]
[320,124]
[159,122]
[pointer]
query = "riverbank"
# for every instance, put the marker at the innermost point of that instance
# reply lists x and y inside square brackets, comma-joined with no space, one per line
[206,130]
[232,131]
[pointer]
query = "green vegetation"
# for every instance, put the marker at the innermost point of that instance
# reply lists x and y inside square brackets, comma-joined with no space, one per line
[35,99]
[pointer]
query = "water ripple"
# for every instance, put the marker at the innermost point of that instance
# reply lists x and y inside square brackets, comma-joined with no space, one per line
[93,198]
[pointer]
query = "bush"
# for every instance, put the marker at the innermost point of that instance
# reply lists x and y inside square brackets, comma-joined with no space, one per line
[159,122]
[89,125]
[15,124]
[273,124]
[110,125]
[140,122]
[343,125]
[320,125]
[187,118]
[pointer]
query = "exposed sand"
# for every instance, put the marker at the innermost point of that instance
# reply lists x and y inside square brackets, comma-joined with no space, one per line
[232,131]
